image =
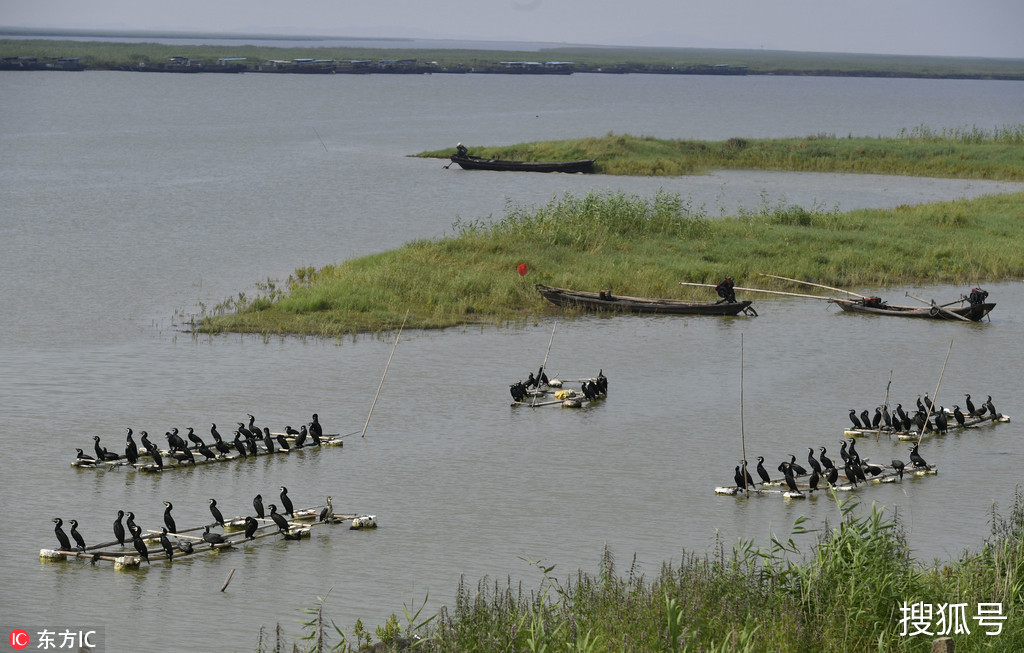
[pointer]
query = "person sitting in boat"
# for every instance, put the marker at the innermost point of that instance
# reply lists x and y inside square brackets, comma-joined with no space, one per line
[725,291]
[977,296]
[873,302]
[461,150]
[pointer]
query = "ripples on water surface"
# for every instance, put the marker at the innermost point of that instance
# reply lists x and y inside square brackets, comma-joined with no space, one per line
[130,197]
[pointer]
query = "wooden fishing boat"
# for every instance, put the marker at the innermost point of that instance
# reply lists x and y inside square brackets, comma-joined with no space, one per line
[606,301]
[972,312]
[470,162]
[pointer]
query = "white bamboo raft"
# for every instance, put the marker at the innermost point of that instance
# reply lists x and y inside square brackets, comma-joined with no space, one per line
[559,395]
[300,527]
[912,434]
[170,462]
[778,487]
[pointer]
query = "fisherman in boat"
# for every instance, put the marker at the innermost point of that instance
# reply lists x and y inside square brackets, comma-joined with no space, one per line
[725,291]
[873,302]
[461,150]
[977,296]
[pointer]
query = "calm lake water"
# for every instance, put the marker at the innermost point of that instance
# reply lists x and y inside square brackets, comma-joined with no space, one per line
[130,200]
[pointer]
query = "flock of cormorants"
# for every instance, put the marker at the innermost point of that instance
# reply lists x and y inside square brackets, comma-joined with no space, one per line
[248,441]
[925,418]
[823,469]
[591,389]
[184,546]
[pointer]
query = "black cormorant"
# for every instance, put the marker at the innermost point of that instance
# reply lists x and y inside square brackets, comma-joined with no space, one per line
[215,511]
[62,537]
[853,418]
[886,417]
[958,415]
[279,519]
[185,547]
[84,458]
[865,418]
[898,465]
[257,504]
[971,410]
[165,542]
[312,436]
[815,465]
[315,430]
[101,452]
[876,421]
[282,442]
[852,451]
[832,475]
[131,450]
[300,437]
[814,480]
[842,451]
[941,423]
[206,451]
[286,503]
[250,527]
[851,474]
[212,538]
[140,546]
[168,519]
[797,469]
[900,413]
[991,409]
[246,433]
[239,447]
[195,439]
[252,426]
[790,481]
[268,441]
[129,522]
[328,511]
[250,443]
[223,448]
[761,471]
[737,478]
[916,458]
[119,528]
[79,540]
[826,462]
[874,470]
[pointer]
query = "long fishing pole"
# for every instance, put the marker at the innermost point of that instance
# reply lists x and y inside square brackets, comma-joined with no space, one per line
[397,336]
[545,363]
[770,292]
[817,285]
[931,402]
[885,404]
[743,438]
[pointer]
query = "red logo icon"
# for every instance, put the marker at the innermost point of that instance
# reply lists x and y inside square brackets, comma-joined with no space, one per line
[18,639]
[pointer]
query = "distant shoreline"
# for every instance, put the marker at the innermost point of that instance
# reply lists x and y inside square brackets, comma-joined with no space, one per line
[360,56]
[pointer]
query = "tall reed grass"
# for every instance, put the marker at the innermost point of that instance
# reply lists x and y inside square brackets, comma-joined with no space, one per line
[840,589]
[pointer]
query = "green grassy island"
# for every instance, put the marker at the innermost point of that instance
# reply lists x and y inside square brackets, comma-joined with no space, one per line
[645,246]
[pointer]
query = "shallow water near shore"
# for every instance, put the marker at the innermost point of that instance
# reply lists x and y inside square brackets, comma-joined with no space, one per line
[133,199]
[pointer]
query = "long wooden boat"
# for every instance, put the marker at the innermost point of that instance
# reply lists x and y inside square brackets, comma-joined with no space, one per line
[470,162]
[606,301]
[972,312]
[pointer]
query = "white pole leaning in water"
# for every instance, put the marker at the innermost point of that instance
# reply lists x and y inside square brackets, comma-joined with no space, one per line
[931,404]
[397,336]
[743,438]
[545,363]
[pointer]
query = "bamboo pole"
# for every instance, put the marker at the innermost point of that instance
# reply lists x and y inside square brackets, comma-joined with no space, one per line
[931,402]
[743,439]
[397,336]
[225,585]
[939,308]
[885,404]
[770,292]
[817,285]
[545,363]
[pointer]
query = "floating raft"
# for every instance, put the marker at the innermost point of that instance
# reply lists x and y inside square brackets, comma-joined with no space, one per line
[912,434]
[778,487]
[553,393]
[301,525]
[170,462]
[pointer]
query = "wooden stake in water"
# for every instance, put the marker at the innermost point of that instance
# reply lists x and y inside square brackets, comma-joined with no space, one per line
[931,403]
[397,336]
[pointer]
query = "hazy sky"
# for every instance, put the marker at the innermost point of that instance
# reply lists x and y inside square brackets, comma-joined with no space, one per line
[983,28]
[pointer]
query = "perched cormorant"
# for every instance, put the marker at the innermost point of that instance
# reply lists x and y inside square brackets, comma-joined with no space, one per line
[853,418]
[922,405]
[286,503]
[761,471]
[876,421]
[852,451]
[131,450]
[814,480]
[84,458]
[168,519]
[195,439]
[941,423]
[790,481]
[279,519]
[531,381]
[157,460]
[851,474]
[282,442]
[865,418]
[315,430]
[738,478]
[130,522]
[826,462]
[328,511]
[250,527]
[185,547]
[239,447]
[223,448]
[958,415]
[252,426]
[257,504]
[184,455]
[991,409]
[101,452]
[797,469]
[874,470]
[206,451]
[898,465]
[212,538]
[268,441]
[165,542]
[300,436]
[119,528]
[886,417]
[971,410]
[215,511]
[246,433]
[900,413]
[140,546]
[174,440]
[146,442]
[303,433]
[916,458]
[79,540]
[832,475]
[842,451]
[62,537]
[250,443]
[812,461]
